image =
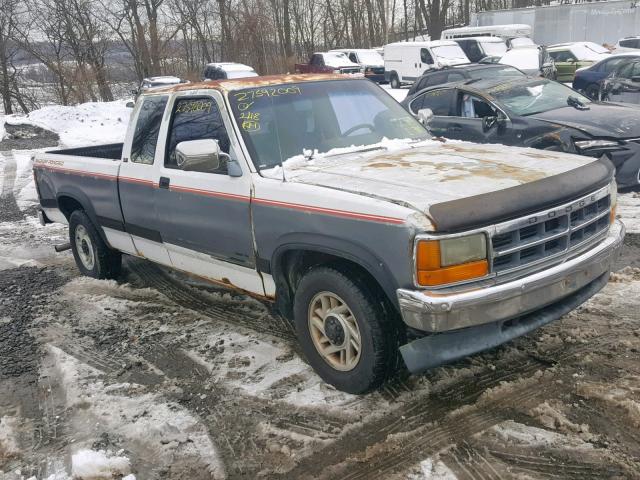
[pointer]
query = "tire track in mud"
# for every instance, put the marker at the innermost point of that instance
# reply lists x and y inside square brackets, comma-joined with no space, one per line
[9,210]
[186,296]
[412,417]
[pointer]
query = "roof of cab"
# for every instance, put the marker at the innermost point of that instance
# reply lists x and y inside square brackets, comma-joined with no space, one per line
[252,82]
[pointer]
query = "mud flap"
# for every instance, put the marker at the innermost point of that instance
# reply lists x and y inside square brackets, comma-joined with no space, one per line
[438,349]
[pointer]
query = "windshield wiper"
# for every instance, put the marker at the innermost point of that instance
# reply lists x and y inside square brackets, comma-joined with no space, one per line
[576,103]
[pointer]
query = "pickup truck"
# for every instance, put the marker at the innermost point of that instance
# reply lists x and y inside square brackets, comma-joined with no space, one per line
[321,194]
[329,62]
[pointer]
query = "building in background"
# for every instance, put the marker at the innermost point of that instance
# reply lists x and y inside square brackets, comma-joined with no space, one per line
[599,22]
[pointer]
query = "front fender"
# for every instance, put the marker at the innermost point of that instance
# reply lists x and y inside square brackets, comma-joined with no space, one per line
[353,252]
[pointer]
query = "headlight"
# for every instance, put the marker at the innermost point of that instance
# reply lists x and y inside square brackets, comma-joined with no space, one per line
[450,260]
[587,144]
[613,195]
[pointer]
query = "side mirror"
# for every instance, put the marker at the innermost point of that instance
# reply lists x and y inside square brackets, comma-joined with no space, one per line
[134,91]
[199,155]
[489,122]
[425,115]
[130,104]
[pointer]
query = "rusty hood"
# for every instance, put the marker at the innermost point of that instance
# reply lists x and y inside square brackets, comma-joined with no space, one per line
[433,172]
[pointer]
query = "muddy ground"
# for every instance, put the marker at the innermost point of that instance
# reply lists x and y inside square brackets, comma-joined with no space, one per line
[183,380]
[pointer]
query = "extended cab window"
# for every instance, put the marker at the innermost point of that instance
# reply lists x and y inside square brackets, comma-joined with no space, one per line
[195,118]
[145,137]
[439,101]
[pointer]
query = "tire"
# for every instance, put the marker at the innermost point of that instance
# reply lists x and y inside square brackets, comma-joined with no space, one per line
[394,81]
[93,257]
[592,91]
[378,356]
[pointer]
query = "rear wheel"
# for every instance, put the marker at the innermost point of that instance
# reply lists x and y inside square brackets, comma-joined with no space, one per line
[92,255]
[344,329]
[394,81]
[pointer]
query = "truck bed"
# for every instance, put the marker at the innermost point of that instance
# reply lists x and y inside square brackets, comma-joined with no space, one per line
[111,151]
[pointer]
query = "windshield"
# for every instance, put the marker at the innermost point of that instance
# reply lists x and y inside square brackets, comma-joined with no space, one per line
[495,72]
[370,57]
[535,97]
[241,74]
[448,51]
[280,122]
[494,48]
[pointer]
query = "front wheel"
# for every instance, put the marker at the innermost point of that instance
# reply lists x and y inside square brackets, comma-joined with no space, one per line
[394,81]
[92,255]
[344,330]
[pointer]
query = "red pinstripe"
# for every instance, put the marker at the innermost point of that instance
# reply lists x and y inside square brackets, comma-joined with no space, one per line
[232,196]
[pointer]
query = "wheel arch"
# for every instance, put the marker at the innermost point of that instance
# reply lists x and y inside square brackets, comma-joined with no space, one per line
[71,199]
[292,260]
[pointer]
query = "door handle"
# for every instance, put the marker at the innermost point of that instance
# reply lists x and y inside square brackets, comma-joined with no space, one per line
[164,182]
[455,128]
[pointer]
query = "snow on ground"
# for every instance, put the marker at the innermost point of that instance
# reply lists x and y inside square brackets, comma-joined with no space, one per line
[398,93]
[88,123]
[629,210]
[89,464]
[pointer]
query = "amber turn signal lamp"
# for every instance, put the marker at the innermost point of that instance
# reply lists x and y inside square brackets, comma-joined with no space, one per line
[430,273]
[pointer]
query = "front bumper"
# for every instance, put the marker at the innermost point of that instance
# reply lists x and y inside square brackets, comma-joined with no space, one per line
[467,322]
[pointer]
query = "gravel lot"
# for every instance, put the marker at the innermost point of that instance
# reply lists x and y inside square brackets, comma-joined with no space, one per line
[158,375]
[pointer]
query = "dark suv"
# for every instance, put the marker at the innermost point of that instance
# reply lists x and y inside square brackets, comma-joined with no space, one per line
[474,71]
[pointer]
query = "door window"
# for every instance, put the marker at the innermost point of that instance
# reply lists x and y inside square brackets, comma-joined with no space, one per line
[610,65]
[562,56]
[425,56]
[475,53]
[470,106]
[316,60]
[145,136]
[630,43]
[195,118]
[439,101]
[629,70]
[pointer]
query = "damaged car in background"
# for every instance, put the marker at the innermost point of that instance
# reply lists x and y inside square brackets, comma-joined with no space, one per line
[537,113]
[322,195]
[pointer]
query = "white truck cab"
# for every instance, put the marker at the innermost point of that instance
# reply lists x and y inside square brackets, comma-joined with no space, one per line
[404,62]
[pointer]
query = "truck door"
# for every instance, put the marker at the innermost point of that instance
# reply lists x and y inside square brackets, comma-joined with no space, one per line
[136,180]
[204,216]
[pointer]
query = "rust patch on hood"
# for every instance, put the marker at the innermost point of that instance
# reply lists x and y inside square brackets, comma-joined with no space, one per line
[477,163]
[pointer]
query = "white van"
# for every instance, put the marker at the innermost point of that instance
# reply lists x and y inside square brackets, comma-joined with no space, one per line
[404,62]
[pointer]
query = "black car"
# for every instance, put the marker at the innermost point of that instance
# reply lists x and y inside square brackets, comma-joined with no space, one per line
[473,71]
[537,113]
[623,85]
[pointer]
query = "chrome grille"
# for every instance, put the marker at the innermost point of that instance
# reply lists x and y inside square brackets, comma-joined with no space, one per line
[349,70]
[550,235]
